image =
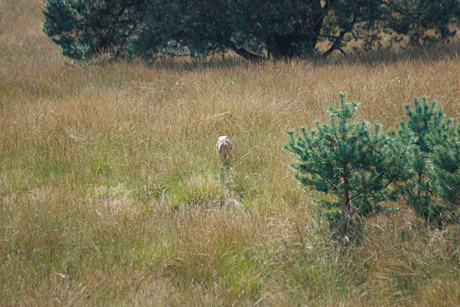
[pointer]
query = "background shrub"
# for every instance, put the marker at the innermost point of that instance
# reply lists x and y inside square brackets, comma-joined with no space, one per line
[253,29]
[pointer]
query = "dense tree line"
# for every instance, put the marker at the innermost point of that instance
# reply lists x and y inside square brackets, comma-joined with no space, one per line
[254,29]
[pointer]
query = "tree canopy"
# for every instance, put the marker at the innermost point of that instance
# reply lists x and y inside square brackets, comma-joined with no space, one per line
[254,29]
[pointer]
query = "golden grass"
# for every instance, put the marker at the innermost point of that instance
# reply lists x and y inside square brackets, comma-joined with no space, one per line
[110,191]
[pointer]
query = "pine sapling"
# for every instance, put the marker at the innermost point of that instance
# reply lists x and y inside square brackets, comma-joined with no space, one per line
[351,161]
[446,161]
[430,130]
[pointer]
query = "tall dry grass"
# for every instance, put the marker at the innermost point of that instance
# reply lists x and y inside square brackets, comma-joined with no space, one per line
[110,191]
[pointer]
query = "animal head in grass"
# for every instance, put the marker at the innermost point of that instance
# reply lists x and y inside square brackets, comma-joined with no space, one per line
[224,148]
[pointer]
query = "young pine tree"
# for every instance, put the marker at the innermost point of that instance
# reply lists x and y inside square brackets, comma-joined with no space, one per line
[350,161]
[431,160]
[446,160]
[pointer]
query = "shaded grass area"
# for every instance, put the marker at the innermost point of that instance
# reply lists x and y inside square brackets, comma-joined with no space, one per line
[110,189]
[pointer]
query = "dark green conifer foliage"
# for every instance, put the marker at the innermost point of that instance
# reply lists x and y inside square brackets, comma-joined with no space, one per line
[446,160]
[351,161]
[86,28]
[253,29]
[432,162]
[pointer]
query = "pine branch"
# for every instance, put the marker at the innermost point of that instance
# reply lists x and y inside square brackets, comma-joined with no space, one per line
[384,172]
[338,41]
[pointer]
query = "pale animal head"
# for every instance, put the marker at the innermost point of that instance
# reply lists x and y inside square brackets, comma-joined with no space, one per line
[224,148]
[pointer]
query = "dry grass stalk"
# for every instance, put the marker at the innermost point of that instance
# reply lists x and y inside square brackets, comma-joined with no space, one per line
[216,117]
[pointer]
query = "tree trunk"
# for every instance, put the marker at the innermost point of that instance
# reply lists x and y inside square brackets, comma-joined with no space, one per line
[243,52]
[302,40]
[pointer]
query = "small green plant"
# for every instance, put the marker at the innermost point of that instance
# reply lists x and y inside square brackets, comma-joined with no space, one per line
[200,190]
[446,160]
[434,159]
[352,162]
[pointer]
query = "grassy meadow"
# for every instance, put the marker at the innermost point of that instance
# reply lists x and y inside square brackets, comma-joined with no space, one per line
[110,189]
